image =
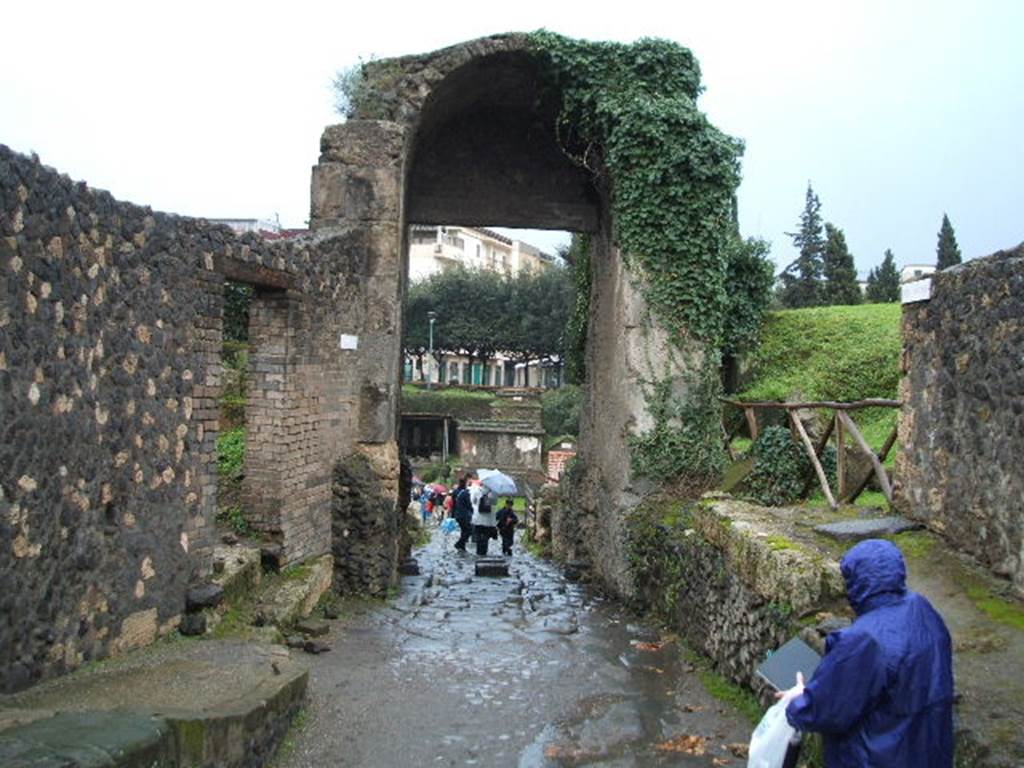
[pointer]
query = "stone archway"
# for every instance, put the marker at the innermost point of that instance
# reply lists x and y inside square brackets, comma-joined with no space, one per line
[468,134]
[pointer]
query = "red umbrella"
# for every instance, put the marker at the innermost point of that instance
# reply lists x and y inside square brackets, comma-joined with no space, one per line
[439,488]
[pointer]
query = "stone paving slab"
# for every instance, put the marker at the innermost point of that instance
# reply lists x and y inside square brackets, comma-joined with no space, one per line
[869,528]
[90,740]
[491,566]
[225,703]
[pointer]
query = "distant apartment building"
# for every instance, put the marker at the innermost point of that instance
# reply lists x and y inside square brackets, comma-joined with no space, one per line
[435,249]
[916,272]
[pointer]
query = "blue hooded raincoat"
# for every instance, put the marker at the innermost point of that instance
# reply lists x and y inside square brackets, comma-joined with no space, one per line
[883,693]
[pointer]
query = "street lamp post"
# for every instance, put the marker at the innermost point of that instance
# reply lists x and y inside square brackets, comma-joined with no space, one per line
[432,316]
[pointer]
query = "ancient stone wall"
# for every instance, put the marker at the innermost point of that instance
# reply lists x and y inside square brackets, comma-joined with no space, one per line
[732,584]
[962,431]
[110,343]
[366,525]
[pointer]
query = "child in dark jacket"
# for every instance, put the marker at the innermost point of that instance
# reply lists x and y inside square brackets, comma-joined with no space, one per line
[507,522]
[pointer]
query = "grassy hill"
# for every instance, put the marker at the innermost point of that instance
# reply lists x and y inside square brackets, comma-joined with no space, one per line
[831,353]
[827,353]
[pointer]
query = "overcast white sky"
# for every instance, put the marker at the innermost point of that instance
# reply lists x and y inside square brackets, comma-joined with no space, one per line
[896,111]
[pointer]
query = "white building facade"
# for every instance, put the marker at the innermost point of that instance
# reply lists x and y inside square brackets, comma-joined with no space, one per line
[437,249]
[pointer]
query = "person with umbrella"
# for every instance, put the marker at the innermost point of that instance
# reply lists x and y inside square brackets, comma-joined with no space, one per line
[485,527]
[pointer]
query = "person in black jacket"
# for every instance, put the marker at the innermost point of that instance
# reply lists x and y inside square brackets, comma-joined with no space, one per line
[507,522]
[463,513]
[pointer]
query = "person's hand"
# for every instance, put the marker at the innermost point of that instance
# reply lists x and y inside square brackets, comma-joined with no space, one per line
[793,692]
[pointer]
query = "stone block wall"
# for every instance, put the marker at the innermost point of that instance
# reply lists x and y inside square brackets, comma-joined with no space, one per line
[110,341]
[366,529]
[960,467]
[734,585]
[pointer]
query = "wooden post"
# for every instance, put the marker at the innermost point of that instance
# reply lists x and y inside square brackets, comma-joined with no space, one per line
[883,479]
[728,444]
[799,428]
[840,456]
[822,442]
[444,441]
[751,422]
[889,442]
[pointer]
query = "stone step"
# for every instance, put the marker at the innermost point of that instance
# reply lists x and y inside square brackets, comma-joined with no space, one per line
[492,566]
[870,528]
[224,703]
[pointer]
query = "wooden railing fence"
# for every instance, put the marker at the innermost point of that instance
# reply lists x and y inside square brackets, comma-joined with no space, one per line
[841,424]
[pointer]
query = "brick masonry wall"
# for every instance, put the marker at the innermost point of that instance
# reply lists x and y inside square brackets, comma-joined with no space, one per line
[110,336]
[962,431]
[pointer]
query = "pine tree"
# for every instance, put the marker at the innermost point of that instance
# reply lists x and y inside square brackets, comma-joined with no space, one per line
[840,274]
[801,280]
[947,252]
[884,281]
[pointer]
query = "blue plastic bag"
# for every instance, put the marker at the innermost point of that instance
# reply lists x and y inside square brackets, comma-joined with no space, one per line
[448,525]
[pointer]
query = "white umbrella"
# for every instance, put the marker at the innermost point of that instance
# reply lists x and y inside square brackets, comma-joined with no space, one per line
[498,482]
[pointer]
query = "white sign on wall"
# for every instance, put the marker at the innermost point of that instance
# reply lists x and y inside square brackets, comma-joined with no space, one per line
[349,342]
[918,290]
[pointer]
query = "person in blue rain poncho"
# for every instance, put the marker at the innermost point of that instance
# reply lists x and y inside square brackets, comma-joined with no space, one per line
[883,693]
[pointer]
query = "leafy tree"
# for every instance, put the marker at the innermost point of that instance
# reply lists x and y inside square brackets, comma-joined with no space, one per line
[560,410]
[748,283]
[884,281]
[947,251]
[539,313]
[481,313]
[840,273]
[801,280]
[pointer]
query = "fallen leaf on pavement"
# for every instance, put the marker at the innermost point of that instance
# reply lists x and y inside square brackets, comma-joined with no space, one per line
[691,745]
[640,645]
[720,760]
[692,708]
[740,750]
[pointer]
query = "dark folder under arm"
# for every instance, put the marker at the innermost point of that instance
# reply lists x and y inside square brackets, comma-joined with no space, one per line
[780,668]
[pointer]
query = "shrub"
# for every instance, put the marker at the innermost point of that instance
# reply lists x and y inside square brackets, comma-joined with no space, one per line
[560,410]
[780,468]
[231,452]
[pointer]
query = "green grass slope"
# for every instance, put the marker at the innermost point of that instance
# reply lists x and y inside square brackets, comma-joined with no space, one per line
[827,353]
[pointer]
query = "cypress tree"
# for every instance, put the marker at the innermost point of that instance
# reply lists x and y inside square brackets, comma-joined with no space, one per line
[801,280]
[947,253]
[884,281]
[840,273]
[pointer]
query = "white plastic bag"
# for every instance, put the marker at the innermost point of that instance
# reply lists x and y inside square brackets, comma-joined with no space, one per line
[771,738]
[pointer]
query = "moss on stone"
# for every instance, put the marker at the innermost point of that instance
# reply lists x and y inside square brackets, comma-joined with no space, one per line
[914,544]
[997,608]
[777,543]
[720,688]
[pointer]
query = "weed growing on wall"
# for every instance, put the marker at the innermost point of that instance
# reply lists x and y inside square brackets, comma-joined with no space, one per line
[685,441]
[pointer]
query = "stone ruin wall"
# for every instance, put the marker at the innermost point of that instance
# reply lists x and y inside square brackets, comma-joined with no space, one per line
[962,431]
[110,343]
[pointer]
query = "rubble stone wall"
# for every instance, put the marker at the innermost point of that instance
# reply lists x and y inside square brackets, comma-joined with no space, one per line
[962,431]
[110,344]
[734,586]
[366,525]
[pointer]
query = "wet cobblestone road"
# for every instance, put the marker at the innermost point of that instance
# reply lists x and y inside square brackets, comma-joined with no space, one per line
[528,670]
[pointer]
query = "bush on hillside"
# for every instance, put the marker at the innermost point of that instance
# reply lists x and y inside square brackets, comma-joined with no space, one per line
[560,410]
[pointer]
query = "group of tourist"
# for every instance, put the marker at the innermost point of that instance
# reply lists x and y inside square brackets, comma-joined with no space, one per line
[474,508]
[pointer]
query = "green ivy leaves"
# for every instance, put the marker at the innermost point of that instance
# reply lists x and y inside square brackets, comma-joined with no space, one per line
[673,174]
